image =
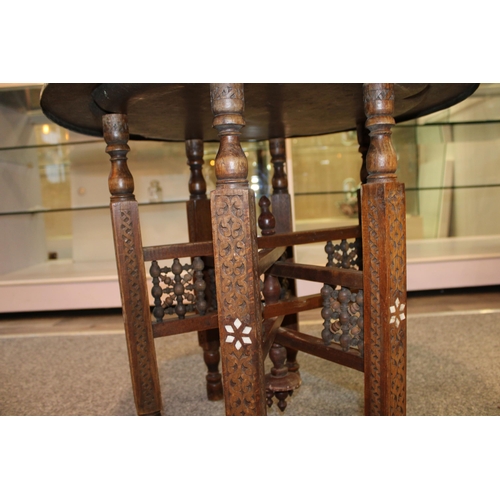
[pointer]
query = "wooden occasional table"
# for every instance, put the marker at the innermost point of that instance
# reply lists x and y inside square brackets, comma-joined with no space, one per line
[363,299]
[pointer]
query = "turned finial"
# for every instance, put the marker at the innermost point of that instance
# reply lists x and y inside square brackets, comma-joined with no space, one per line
[228,103]
[278,159]
[381,161]
[194,153]
[266,221]
[116,135]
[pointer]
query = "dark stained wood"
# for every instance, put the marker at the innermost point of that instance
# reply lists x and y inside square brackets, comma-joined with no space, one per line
[131,272]
[200,229]
[306,237]
[282,209]
[349,278]
[384,262]
[280,383]
[179,250]
[269,328]
[197,184]
[235,238]
[223,231]
[295,305]
[364,143]
[180,111]
[316,347]
[210,343]
[268,257]
[188,324]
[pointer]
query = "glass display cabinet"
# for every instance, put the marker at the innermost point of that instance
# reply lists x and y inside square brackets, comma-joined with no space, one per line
[57,249]
[54,206]
[448,162]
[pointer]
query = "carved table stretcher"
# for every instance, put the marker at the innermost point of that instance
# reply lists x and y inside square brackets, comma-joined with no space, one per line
[363,299]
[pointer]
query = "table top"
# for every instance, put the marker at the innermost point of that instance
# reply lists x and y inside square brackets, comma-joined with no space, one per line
[176,112]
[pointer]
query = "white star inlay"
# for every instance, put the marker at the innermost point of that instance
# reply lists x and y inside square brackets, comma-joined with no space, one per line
[246,331]
[397,308]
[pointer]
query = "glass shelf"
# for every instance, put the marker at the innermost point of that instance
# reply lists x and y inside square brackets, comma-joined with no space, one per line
[54,201]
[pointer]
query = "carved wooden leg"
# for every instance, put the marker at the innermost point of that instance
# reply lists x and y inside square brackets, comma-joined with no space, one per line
[281,381]
[131,271]
[235,254]
[200,229]
[282,211]
[384,262]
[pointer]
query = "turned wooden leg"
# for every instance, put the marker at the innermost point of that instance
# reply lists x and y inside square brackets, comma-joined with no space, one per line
[235,254]
[131,271]
[282,211]
[384,261]
[200,229]
[281,381]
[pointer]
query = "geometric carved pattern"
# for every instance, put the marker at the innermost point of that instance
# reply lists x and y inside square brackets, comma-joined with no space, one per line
[140,333]
[397,272]
[343,317]
[184,289]
[384,232]
[375,313]
[344,254]
[242,377]
[229,210]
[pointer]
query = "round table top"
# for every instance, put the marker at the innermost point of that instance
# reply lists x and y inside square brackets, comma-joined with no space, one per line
[176,112]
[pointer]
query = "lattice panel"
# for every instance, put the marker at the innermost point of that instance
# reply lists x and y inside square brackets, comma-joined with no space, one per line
[179,289]
[343,317]
[346,254]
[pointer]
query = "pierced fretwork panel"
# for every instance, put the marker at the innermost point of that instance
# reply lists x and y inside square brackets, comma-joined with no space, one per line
[179,289]
[346,254]
[343,317]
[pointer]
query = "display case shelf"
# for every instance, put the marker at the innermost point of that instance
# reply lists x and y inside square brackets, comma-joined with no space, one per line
[54,199]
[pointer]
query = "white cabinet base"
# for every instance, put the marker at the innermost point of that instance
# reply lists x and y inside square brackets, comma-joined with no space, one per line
[60,285]
[65,285]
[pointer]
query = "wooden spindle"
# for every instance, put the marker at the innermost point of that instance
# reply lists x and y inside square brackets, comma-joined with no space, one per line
[281,382]
[278,158]
[197,184]
[282,209]
[200,229]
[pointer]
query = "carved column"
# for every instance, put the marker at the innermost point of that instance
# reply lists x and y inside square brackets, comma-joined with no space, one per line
[200,229]
[384,261]
[131,271]
[235,254]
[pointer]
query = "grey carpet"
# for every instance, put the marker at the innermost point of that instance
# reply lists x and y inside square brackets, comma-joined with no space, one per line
[453,369]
